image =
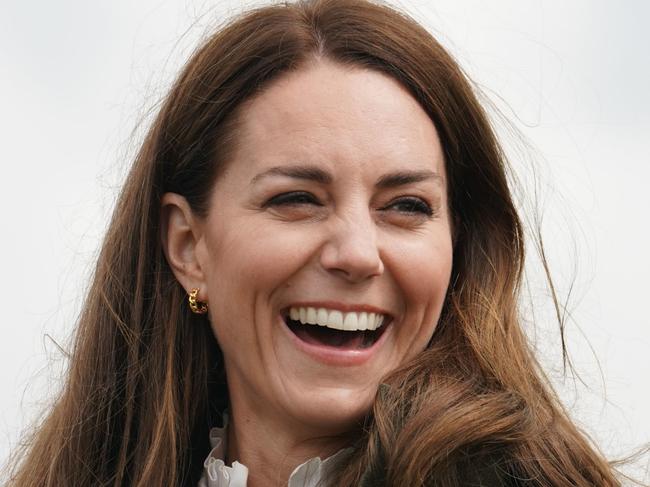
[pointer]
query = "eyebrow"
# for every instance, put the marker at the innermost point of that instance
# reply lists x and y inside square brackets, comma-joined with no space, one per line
[309,173]
[318,175]
[402,178]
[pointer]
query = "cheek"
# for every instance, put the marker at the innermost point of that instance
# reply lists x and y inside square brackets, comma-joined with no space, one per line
[249,257]
[422,270]
[430,279]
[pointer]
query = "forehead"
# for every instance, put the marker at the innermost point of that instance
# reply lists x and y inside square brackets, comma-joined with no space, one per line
[329,114]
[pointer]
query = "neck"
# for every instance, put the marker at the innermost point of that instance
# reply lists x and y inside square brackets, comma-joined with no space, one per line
[272,452]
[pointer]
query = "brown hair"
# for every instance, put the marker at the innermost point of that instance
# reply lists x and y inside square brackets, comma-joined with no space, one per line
[144,382]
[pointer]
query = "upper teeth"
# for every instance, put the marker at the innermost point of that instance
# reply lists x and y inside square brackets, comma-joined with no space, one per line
[331,318]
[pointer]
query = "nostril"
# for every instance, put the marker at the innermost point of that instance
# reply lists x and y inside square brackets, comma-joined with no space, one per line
[355,263]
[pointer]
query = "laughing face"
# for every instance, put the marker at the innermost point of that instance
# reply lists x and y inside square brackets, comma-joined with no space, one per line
[326,253]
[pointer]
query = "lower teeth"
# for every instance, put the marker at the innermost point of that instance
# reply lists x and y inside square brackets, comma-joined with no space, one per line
[332,337]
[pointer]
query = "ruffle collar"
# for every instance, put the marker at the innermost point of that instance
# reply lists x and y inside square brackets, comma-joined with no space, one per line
[217,474]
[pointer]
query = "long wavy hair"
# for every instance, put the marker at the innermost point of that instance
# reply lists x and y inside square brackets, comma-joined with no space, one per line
[146,379]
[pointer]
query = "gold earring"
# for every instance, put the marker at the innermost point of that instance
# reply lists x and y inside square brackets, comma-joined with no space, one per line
[198,307]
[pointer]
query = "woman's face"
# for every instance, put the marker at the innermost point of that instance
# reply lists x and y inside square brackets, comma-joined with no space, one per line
[333,211]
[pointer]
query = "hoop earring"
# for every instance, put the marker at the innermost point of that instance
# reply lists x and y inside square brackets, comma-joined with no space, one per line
[197,307]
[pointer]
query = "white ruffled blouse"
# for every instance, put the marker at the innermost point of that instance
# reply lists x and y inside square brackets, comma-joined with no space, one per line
[217,474]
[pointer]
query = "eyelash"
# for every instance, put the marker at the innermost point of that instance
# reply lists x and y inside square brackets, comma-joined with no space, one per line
[294,198]
[414,205]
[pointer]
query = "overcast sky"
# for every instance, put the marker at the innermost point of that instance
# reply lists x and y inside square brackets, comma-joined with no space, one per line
[568,86]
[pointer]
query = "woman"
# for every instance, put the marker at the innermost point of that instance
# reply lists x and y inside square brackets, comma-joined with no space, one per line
[317,246]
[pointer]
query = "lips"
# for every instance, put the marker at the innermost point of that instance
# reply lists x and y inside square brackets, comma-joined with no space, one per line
[337,336]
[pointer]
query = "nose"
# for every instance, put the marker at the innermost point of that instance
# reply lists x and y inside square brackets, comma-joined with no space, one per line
[351,250]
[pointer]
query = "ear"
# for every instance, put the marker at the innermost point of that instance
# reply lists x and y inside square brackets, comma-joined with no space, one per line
[181,236]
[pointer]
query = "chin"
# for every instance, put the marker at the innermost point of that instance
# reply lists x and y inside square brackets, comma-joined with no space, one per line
[333,411]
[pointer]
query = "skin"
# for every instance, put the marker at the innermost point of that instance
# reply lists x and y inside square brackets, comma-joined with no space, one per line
[344,241]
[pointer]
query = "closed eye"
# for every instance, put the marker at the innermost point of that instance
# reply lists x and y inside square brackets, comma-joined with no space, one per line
[411,205]
[294,198]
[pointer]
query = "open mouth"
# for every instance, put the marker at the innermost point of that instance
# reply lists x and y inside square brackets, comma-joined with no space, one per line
[336,329]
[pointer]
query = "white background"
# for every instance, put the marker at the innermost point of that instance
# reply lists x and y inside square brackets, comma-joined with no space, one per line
[76,79]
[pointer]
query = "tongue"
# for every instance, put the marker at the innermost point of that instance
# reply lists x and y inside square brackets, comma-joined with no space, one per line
[317,335]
